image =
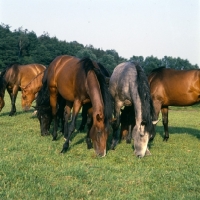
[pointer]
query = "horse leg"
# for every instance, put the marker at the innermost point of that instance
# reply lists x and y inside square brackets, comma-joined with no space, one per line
[164,111]
[157,108]
[53,103]
[115,127]
[76,108]
[89,125]
[129,135]
[85,108]
[67,114]
[13,96]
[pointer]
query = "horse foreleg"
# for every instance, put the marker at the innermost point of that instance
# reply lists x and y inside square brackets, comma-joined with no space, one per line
[13,96]
[85,108]
[115,127]
[67,114]
[53,103]
[164,111]
[89,125]
[129,135]
[76,108]
[157,108]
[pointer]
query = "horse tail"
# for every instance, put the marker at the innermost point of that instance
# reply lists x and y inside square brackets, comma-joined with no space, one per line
[104,71]
[43,97]
[148,113]
[89,65]
[3,81]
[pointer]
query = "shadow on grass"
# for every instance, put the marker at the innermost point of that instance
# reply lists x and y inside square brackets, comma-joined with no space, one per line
[17,113]
[178,130]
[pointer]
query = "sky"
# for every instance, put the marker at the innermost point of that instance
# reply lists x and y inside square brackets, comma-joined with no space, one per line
[130,27]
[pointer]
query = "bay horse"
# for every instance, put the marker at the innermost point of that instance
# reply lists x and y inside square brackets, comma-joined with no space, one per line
[25,78]
[170,87]
[129,87]
[79,82]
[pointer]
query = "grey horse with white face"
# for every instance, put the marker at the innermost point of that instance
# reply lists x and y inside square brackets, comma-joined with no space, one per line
[129,87]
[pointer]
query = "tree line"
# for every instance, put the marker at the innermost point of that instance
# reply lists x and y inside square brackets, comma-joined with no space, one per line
[24,47]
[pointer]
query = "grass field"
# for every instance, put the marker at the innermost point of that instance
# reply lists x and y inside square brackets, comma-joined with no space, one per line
[31,166]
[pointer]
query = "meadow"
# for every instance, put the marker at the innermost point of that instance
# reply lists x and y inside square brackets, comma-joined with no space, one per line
[31,166]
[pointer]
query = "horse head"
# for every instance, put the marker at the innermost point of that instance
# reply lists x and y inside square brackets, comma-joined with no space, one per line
[27,98]
[142,134]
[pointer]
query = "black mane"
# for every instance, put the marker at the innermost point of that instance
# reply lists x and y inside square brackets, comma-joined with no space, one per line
[158,69]
[148,113]
[88,65]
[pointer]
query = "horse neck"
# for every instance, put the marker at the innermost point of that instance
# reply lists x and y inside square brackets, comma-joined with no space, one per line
[95,92]
[36,83]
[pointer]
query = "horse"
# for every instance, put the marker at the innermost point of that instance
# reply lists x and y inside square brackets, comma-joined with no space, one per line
[170,87]
[129,87]
[25,78]
[79,82]
[85,108]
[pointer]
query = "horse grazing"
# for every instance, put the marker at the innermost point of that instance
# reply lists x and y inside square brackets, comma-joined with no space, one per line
[79,82]
[25,78]
[129,87]
[170,87]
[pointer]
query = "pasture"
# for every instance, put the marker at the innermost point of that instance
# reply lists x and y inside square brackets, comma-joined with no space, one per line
[31,166]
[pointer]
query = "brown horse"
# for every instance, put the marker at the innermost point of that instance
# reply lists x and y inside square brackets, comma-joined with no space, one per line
[79,82]
[170,87]
[25,78]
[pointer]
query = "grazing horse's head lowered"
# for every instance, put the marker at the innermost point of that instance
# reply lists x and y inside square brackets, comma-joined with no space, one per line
[25,78]
[129,87]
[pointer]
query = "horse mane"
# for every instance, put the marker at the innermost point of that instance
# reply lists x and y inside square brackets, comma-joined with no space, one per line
[88,65]
[148,112]
[158,69]
[43,97]
[105,71]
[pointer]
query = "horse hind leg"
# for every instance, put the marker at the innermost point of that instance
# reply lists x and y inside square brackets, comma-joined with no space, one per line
[76,108]
[13,96]
[164,111]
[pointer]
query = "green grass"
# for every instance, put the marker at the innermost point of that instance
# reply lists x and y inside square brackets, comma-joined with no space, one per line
[31,166]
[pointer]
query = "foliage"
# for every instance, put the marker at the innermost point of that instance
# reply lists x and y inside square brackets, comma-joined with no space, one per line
[31,166]
[26,47]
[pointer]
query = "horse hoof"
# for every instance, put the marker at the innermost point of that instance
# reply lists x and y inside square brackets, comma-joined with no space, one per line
[112,147]
[128,141]
[63,150]
[165,139]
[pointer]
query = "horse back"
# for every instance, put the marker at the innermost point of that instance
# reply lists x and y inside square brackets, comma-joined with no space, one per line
[175,87]
[63,75]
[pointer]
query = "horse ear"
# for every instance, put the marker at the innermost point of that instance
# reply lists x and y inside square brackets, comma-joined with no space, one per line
[155,122]
[99,117]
